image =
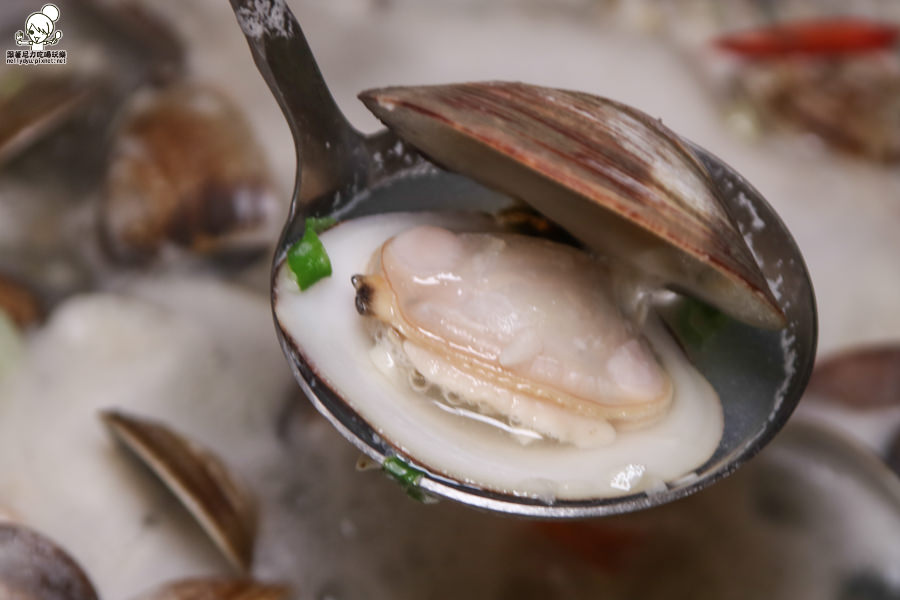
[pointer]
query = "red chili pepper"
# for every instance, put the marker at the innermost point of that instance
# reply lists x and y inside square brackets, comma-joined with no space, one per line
[821,37]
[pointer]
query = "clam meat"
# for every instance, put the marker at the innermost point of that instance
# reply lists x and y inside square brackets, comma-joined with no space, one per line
[515,325]
[499,360]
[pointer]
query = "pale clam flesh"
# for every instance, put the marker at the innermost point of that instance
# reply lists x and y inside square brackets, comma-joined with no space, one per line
[518,326]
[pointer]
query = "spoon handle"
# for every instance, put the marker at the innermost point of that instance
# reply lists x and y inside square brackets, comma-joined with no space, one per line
[331,153]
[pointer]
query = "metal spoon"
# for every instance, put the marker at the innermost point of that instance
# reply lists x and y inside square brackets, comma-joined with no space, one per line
[759,375]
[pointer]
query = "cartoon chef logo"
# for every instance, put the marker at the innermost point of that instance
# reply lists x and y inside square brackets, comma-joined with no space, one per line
[40,29]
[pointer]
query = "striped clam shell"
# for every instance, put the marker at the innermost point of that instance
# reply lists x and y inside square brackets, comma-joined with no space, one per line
[614,177]
[203,483]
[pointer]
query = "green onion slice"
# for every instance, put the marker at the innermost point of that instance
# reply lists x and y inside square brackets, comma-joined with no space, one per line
[307,258]
[408,477]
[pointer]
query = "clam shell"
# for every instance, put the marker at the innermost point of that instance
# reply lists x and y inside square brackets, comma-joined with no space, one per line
[864,378]
[186,171]
[32,567]
[199,479]
[217,589]
[612,176]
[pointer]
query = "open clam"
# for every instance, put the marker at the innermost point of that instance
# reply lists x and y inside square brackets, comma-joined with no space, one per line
[684,217]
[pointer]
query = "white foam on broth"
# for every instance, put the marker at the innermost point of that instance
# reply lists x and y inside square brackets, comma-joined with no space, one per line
[336,343]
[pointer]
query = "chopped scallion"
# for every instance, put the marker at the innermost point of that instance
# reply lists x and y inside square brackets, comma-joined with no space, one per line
[320,224]
[408,477]
[307,258]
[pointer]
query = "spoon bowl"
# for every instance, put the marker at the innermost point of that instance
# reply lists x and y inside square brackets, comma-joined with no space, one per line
[759,374]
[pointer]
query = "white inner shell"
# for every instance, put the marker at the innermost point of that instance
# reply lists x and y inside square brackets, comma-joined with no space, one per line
[339,346]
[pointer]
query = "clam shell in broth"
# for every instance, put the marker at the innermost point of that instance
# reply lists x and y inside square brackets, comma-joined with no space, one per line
[612,176]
